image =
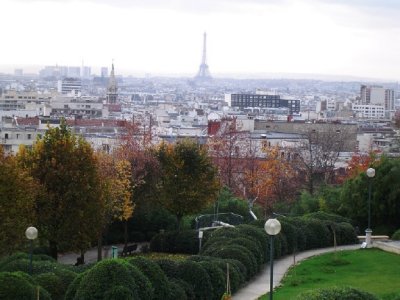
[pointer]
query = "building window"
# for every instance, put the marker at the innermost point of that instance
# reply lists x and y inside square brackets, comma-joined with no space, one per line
[6,135]
[29,136]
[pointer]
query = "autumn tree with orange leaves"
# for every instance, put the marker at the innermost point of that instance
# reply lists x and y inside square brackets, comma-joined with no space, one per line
[276,180]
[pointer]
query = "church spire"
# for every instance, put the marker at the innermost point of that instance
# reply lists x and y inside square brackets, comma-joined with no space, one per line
[112,89]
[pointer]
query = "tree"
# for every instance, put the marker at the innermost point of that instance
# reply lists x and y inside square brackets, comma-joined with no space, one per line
[319,151]
[188,178]
[276,179]
[17,211]
[116,193]
[385,204]
[69,208]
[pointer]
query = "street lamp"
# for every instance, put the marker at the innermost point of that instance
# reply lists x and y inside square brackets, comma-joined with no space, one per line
[272,227]
[200,238]
[368,231]
[31,233]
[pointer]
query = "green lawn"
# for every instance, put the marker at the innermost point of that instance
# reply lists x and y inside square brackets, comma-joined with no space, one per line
[372,270]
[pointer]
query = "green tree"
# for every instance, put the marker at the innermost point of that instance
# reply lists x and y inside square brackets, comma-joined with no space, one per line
[188,178]
[17,195]
[385,197]
[69,208]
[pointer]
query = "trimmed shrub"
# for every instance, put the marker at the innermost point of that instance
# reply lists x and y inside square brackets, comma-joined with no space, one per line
[236,275]
[324,216]
[345,234]
[73,287]
[194,274]
[38,267]
[251,245]
[53,284]
[176,291]
[168,266]
[16,286]
[336,293]
[154,273]
[217,279]
[145,288]
[119,292]
[396,235]
[186,287]
[103,277]
[239,253]
[254,233]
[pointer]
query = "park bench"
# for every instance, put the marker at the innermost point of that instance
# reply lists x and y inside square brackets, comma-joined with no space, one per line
[128,250]
[374,237]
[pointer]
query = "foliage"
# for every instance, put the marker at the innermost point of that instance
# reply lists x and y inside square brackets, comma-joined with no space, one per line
[69,208]
[145,287]
[154,273]
[336,293]
[194,274]
[396,235]
[53,284]
[73,287]
[17,195]
[188,178]
[119,292]
[168,266]
[217,278]
[184,241]
[186,287]
[176,291]
[385,192]
[276,181]
[105,276]
[15,285]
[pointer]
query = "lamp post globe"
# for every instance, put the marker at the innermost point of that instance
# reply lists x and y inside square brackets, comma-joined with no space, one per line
[371,172]
[31,233]
[272,228]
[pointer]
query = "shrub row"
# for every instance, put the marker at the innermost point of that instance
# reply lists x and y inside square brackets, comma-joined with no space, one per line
[335,293]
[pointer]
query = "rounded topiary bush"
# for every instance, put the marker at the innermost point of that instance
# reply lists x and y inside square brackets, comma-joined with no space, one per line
[254,233]
[154,273]
[217,278]
[186,287]
[38,266]
[168,266]
[119,292]
[396,235]
[324,216]
[145,288]
[251,245]
[236,275]
[345,234]
[73,287]
[14,285]
[336,293]
[176,291]
[105,276]
[194,274]
[239,253]
[53,284]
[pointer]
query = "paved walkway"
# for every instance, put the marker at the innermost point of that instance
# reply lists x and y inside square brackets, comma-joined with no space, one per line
[69,258]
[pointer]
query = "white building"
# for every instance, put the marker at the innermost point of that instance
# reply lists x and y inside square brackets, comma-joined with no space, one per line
[369,111]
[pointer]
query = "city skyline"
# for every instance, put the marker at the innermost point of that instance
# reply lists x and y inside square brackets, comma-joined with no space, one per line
[344,38]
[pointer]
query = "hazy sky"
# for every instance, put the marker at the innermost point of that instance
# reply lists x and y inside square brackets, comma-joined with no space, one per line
[342,37]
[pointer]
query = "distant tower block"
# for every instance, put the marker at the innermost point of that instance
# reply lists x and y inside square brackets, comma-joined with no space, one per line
[204,72]
[112,89]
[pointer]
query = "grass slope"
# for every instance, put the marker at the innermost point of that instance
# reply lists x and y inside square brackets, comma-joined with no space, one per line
[371,270]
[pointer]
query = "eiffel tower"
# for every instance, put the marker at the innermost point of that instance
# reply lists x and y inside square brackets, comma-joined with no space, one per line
[204,72]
